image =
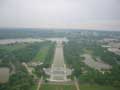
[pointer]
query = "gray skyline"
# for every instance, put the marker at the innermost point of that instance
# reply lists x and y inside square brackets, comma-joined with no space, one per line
[86,14]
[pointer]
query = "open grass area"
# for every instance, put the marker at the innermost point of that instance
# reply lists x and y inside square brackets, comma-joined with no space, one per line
[57,87]
[42,54]
[97,87]
[34,87]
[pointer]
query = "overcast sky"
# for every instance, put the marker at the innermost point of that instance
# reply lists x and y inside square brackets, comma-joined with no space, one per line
[87,14]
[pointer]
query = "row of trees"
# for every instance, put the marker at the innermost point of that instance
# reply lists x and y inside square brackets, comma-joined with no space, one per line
[49,57]
[47,62]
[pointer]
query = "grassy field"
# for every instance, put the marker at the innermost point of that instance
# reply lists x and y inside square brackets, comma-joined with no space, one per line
[57,87]
[34,87]
[97,87]
[42,54]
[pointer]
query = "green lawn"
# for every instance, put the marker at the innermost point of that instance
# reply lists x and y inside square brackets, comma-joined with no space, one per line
[57,87]
[97,87]
[34,87]
[42,54]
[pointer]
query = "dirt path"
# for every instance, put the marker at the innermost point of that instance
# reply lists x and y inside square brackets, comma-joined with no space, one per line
[28,69]
[39,83]
[30,72]
[13,68]
[76,83]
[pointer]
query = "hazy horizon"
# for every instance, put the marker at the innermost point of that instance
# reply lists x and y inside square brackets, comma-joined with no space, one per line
[60,14]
